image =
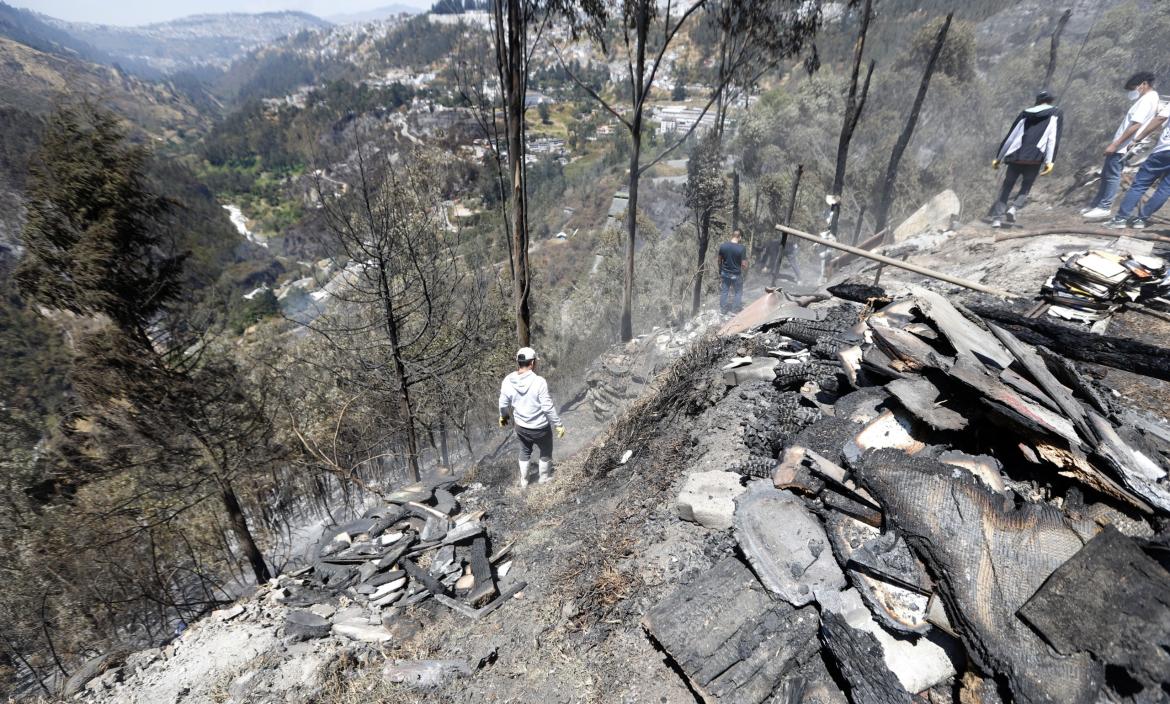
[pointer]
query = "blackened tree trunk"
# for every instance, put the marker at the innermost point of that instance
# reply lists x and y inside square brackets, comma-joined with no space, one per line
[881,218]
[854,104]
[443,456]
[239,523]
[735,200]
[1054,46]
[704,235]
[857,226]
[787,221]
[642,31]
[404,406]
[511,63]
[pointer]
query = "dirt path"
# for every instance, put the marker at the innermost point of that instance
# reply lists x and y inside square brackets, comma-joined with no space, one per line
[598,546]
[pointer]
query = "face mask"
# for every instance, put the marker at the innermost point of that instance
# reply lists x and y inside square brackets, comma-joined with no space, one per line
[1133,94]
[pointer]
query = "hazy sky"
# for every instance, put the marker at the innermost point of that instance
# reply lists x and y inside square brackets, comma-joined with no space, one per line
[132,12]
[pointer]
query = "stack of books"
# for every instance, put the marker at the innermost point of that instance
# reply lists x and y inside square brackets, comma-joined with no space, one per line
[1091,285]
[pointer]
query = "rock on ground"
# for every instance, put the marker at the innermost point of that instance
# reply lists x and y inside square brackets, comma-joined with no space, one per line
[708,498]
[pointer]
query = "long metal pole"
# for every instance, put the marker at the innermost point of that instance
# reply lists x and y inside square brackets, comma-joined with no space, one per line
[900,264]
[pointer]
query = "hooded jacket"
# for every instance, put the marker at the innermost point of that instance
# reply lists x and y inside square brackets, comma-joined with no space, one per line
[526,395]
[1034,136]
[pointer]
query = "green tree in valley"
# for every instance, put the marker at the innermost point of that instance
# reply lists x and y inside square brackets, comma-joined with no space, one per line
[157,395]
[93,248]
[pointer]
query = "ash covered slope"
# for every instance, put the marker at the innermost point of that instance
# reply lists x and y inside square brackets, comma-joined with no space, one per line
[842,544]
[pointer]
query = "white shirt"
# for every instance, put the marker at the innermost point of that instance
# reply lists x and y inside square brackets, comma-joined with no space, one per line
[1142,111]
[1163,141]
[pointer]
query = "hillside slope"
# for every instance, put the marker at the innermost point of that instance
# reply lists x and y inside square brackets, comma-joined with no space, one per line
[198,40]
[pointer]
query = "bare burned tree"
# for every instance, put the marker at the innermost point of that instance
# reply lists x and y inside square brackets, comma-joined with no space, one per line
[479,90]
[886,199]
[1054,47]
[647,31]
[403,318]
[787,221]
[511,20]
[755,36]
[854,104]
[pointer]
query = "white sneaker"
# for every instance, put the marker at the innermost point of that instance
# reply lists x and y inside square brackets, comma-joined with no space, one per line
[1082,211]
[523,474]
[1097,214]
[995,222]
[543,475]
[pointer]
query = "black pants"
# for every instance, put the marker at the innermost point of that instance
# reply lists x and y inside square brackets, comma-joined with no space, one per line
[541,437]
[1026,174]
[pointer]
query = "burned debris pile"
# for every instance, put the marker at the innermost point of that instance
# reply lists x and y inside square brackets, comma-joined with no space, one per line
[965,516]
[413,546]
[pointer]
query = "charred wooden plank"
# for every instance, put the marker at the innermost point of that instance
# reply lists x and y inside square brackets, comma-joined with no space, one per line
[1032,417]
[924,400]
[1141,474]
[481,569]
[853,508]
[1111,600]
[456,605]
[733,642]
[964,335]
[422,578]
[907,351]
[859,657]
[1034,365]
[1081,345]
[791,473]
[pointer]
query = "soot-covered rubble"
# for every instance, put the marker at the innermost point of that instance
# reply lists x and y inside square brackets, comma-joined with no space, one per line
[926,509]
[413,546]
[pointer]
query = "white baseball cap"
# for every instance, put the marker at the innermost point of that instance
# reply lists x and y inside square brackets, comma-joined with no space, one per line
[525,355]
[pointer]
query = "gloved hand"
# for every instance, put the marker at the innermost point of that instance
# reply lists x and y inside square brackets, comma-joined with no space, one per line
[503,421]
[560,431]
[1047,169]
[995,163]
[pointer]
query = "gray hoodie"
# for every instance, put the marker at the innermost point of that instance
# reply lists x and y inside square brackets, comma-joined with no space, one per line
[526,394]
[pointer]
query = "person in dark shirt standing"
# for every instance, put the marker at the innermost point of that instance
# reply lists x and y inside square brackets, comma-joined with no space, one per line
[732,263]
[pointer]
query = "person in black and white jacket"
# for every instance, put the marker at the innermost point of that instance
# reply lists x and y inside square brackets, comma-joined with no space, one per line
[1029,150]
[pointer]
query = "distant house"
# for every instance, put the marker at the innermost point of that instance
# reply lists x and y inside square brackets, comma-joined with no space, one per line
[617,209]
[680,118]
[532,99]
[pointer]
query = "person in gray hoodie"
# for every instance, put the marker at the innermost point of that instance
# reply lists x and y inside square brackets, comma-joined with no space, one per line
[525,399]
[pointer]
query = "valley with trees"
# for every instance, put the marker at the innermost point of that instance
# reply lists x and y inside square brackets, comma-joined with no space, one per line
[258,271]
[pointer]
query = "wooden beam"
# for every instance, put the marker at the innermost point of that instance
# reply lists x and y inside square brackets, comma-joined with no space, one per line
[974,286]
[1081,345]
